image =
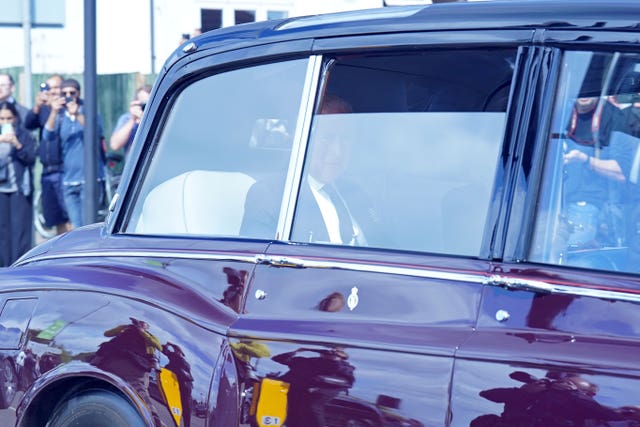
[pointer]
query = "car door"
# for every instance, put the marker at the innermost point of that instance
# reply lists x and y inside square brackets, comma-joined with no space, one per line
[556,340]
[360,328]
[215,132]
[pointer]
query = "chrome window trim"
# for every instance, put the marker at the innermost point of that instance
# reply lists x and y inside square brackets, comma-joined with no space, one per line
[299,148]
[195,255]
[509,283]
[271,260]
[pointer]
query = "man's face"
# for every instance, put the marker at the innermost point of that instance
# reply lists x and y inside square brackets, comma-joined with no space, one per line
[70,92]
[54,85]
[329,155]
[6,88]
[142,96]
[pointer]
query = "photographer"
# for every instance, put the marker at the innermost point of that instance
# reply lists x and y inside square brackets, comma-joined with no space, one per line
[68,128]
[127,124]
[38,115]
[17,156]
[50,153]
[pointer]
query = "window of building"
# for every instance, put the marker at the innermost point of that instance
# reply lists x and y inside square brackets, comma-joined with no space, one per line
[277,14]
[244,16]
[210,19]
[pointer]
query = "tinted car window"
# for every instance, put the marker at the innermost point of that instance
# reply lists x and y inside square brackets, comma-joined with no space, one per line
[415,145]
[411,141]
[587,213]
[222,134]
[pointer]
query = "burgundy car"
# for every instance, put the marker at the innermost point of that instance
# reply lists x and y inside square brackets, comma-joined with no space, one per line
[414,216]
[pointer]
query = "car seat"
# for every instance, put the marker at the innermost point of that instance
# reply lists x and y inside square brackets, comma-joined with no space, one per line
[196,202]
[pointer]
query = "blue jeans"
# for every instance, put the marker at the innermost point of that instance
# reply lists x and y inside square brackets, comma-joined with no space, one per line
[52,197]
[74,200]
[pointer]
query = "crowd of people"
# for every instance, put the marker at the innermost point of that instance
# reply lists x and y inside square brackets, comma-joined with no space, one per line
[53,132]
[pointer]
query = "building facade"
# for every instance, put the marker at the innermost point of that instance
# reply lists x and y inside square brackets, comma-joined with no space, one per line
[138,35]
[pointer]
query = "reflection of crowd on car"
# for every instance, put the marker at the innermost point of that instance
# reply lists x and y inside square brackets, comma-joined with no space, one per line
[557,399]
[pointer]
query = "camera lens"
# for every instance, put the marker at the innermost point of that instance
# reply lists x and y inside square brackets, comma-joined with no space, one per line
[44,87]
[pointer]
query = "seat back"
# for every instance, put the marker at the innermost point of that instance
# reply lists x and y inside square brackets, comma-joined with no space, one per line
[196,202]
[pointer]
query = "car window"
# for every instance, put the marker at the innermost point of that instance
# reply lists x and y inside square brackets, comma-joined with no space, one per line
[588,213]
[403,150]
[222,134]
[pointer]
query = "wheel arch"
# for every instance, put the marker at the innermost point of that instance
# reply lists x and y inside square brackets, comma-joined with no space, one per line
[64,382]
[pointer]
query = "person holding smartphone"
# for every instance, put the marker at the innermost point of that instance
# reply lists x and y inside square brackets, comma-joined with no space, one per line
[127,124]
[17,157]
[66,124]
[37,116]
[50,154]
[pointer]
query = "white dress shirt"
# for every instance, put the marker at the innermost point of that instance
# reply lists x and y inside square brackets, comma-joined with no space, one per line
[330,215]
[327,209]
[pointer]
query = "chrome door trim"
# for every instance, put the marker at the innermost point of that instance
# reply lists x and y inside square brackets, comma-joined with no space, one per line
[191,255]
[298,151]
[510,283]
[518,284]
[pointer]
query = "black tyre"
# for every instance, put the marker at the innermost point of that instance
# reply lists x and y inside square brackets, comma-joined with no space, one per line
[8,383]
[95,408]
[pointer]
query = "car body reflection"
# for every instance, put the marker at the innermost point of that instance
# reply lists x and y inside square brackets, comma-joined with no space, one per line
[557,399]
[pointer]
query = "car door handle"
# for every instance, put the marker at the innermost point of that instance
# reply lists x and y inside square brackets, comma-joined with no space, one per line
[518,284]
[280,261]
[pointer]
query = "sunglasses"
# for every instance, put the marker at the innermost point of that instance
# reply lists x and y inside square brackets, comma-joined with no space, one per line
[69,92]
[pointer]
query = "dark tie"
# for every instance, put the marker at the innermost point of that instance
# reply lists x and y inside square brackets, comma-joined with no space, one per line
[346,226]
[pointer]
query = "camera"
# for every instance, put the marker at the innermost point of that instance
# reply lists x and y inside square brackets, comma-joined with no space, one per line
[68,99]
[142,105]
[44,87]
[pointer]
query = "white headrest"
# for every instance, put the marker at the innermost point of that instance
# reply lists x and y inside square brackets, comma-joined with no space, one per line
[196,202]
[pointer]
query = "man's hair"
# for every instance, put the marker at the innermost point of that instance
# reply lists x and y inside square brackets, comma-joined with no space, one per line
[144,88]
[70,83]
[333,104]
[6,105]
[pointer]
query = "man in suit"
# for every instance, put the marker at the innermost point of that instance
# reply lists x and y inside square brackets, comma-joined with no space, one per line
[330,209]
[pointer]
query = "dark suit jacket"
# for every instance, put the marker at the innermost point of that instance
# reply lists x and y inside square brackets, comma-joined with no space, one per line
[262,207]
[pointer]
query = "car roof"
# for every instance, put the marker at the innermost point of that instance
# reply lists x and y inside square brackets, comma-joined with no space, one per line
[592,15]
[515,14]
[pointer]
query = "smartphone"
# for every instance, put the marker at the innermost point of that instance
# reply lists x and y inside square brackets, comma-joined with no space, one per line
[6,128]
